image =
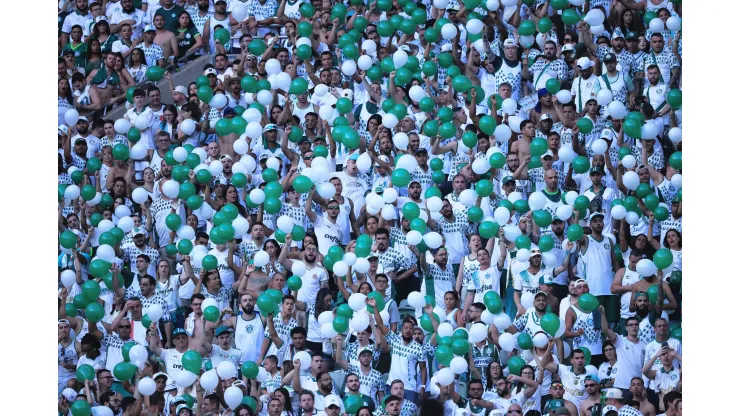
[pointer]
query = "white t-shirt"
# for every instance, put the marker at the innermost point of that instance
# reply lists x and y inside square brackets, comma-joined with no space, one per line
[630,356]
[312,280]
[329,234]
[575,391]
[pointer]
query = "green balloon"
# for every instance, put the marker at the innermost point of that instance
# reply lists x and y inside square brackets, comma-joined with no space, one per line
[203,176]
[302,184]
[492,300]
[250,369]
[81,407]
[307,10]
[674,98]
[98,268]
[675,160]
[205,93]
[444,340]
[210,262]
[559,4]
[249,83]
[379,300]
[120,152]
[460,333]
[570,17]
[461,83]
[427,104]
[648,16]
[447,130]
[523,242]
[345,310]
[68,239]
[521,206]
[497,160]
[273,205]
[403,76]
[460,346]
[544,26]
[546,242]
[527,28]
[431,127]
[400,177]
[418,224]
[93,164]
[426,322]
[154,73]
[488,229]
[352,403]
[487,125]
[411,210]
[222,35]
[85,372]
[192,360]
[431,34]
[469,139]
[239,180]
[661,213]
[587,302]
[294,283]
[124,371]
[475,214]
[443,353]
[269,175]
[258,46]
[484,188]
[581,164]
[91,290]
[265,304]
[125,350]
[223,127]
[184,247]
[585,125]
[340,324]
[438,177]
[538,147]
[575,232]
[71,309]
[624,151]
[173,222]
[663,258]
[632,127]
[550,323]
[211,314]
[524,340]
[542,218]
[515,365]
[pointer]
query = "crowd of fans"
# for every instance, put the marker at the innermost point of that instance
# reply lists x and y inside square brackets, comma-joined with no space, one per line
[370,207]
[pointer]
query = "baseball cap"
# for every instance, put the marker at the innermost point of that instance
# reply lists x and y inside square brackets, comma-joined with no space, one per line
[180,89]
[160,374]
[546,279]
[149,28]
[547,154]
[181,407]
[607,134]
[222,330]
[100,19]
[595,169]
[568,47]
[420,151]
[554,404]
[69,394]
[592,377]
[137,231]
[354,156]
[83,118]
[405,48]
[584,63]
[63,130]
[534,251]
[228,111]
[210,71]
[581,282]
[508,179]
[545,116]
[613,394]
[384,158]
[447,47]
[542,92]
[540,293]
[631,35]
[609,409]
[224,157]
[610,57]
[219,1]
[617,34]
[179,331]
[332,400]
[269,127]
[594,215]
[179,399]
[509,42]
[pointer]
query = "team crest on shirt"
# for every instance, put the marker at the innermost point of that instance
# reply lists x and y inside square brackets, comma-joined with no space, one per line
[173,15]
[250,329]
[588,85]
[514,401]
[606,246]
[674,376]
[590,321]
[659,91]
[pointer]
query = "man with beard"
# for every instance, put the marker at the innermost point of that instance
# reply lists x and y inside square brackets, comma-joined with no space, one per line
[474,404]
[597,255]
[656,91]
[585,85]
[618,50]
[248,328]
[128,14]
[391,259]
[170,11]
[220,17]
[132,252]
[406,356]
[454,227]
[646,312]
[663,58]
[81,16]
[352,385]
[111,400]
[547,66]
[506,68]
[505,400]
[572,377]
[593,390]
[630,351]
[369,381]
[326,227]
[618,82]
[315,277]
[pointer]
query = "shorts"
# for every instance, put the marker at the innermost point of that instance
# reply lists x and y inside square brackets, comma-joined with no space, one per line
[611,304]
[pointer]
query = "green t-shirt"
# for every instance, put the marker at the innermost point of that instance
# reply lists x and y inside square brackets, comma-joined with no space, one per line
[187,40]
[80,53]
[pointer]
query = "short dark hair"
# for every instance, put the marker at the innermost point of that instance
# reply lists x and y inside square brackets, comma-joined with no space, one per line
[306,392]
[298,330]
[669,397]
[383,231]
[632,318]
[145,257]
[151,279]
[105,397]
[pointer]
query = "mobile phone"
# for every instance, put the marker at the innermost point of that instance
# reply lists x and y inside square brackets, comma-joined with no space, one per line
[664,344]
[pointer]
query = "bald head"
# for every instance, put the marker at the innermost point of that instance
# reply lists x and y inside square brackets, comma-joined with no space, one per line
[551,180]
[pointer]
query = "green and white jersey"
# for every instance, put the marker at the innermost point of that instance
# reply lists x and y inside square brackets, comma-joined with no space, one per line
[575,391]
[529,322]
[464,403]
[484,281]
[501,403]
[404,360]
[483,357]
[283,330]
[665,60]
[370,383]
[443,281]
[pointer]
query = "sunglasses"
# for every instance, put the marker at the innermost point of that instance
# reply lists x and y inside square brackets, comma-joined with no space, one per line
[124,326]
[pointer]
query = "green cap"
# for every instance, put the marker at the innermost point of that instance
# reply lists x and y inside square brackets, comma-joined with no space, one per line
[554,404]
[508,179]
[595,169]
[631,35]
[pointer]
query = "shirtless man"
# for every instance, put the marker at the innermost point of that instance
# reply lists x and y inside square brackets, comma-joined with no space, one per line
[665,292]
[637,388]
[105,83]
[165,38]
[557,390]
[593,389]
[545,107]
[255,283]
[520,146]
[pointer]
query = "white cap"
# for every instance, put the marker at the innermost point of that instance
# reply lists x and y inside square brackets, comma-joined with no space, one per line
[446,47]
[69,394]
[584,63]
[509,42]
[613,394]
[332,400]
[182,90]
[210,71]
[547,153]
[607,134]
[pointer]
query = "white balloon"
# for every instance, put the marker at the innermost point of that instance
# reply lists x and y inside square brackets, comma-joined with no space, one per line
[619,212]
[285,224]
[561,331]
[577,3]
[71,117]
[142,121]
[594,17]
[233,397]
[364,162]
[140,353]
[502,133]
[416,300]
[459,365]
[72,192]
[373,200]
[511,232]
[677,180]
[325,317]
[261,258]
[400,58]
[389,120]
[68,278]
[139,195]
[509,106]
[487,317]
[360,321]
[239,13]
[298,268]
[264,97]
[526,41]
[514,196]
[262,375]
[501,215]
[673,23]
[646,268]
[481,166]
[590,369]
[539,340]
[604,97]
[252,114]
[433,240]
[241,147]
[365,62]
[96,199]
[474,26]
[413,237]
[369,47]
[302,41]
[225,369]
[656,25]
[328,331]
[629,161]
[480,46]
[566,154]
[523,255]
[138,151]
[501,321]
[216,167]
[407,162]
[388,212]
[468,197]
[478,332]
[631,180]
[340,268]
[449,31]
[563,96]
[434,204]
[201,154]
[218,101]
[320,90]
[171,188]
[105,225]
[356,301]
[527,300]
[103,410]
[305,359]
[616,110]
[507,341]
[445,376]
[362,265]
[122,211]
[209,380]
[122,126]
[186,379]
[187,232]
[632,218]
[416,93]
[390,195]
[527,355]
[599,146]
[325,190]
[441,4]
[570,197]
[209,302]
[675,134]
[349,67]
[649,130]
[515,123]
[537,200]
[257,196]
[492,5]
[541,38]
[444,329]
[283,80]
[549,259]
[272,66]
